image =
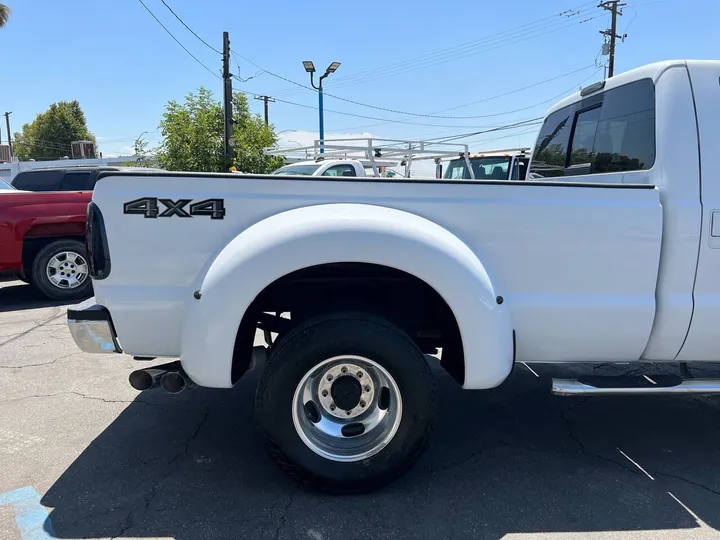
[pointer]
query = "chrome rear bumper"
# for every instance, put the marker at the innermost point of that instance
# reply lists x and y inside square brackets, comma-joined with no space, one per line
[92,329]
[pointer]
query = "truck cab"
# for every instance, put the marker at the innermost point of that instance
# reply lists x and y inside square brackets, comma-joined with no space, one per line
[511,164]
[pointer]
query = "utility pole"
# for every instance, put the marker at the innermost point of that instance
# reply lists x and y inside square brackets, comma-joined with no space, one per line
[613,6]
[227,102]
[266,99]
[7,122]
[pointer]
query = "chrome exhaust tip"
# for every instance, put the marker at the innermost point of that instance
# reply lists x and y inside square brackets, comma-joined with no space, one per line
[173,382]
[145,379]
[170,377]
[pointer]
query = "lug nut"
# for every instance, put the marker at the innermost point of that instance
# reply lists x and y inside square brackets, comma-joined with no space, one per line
[344,370]
[324,393]
[332,407]
[359,374]
[367,388]
[362,403]
[329,377]
[348,412]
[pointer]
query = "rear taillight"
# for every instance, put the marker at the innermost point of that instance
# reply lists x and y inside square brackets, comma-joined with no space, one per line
[96,243]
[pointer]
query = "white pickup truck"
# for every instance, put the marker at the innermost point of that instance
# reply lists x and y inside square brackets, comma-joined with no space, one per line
[611,254]
[331,167]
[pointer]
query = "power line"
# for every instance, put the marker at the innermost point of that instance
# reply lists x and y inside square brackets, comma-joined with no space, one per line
[361,115]
[568,13]
[460,106]
[177,41]
[464,47]
[552,99]
[532,121]
[237,77]
[189,29]
[386,109]
[47,143]
[421,115]
[519,89]
[467,49]
[522,123]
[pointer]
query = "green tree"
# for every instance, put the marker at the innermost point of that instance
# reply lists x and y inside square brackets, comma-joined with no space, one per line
[192,134]
[143,152]
[4,15]
[50,134]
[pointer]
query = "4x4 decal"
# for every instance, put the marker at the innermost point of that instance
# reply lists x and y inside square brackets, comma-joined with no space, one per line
[149,207]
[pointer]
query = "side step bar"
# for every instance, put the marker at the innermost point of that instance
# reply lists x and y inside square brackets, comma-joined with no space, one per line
[626,385]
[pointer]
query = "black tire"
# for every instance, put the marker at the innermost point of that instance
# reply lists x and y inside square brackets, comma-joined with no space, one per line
[318,339]
[40,278]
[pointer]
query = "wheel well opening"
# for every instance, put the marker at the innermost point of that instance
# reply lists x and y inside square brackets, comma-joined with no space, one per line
[402,298]
[33,244]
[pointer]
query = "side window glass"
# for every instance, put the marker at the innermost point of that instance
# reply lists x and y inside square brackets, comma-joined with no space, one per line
[76,181]
[552,145]
[38,180]
[625,138]
[457,172]
[340,170]
[583,141]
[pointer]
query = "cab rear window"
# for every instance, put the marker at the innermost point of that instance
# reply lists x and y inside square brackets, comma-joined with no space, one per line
[612,131]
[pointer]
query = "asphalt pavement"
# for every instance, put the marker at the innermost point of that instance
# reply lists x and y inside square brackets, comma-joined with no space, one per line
[83,455]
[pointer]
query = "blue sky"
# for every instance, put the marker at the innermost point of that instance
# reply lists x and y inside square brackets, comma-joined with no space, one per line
[123,67]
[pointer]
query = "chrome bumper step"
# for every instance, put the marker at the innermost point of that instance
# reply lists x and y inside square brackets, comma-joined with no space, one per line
[634,385]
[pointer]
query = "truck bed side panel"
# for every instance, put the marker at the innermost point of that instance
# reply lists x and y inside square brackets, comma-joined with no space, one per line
[577,264]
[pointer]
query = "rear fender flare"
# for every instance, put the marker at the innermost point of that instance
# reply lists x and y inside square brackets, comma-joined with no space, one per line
[332,233]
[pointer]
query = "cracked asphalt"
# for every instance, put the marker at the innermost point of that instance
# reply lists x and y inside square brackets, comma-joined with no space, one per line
[514,462]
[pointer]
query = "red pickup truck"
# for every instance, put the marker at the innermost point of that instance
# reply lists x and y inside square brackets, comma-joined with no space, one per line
[42,240]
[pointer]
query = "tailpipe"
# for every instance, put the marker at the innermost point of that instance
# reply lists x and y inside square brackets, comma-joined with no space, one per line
[654,385]
[170,377]
[174,382]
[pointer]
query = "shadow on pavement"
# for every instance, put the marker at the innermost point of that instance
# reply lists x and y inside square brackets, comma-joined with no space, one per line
[19,296]
[511,460]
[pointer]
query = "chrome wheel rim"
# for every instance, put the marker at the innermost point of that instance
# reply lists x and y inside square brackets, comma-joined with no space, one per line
[67,270]
[347,408]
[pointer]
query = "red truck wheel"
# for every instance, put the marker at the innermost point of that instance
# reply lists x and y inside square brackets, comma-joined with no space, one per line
[60,270]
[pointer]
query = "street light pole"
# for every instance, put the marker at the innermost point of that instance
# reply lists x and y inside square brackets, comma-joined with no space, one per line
[322,119]
[310,68]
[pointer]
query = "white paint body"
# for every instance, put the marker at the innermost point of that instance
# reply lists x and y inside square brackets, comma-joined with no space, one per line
[589,273]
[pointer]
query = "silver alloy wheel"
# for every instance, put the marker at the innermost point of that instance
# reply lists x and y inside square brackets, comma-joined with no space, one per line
[67,270]
[347,408]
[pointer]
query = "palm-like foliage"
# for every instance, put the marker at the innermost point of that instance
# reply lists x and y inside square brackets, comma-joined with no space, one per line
[4,15]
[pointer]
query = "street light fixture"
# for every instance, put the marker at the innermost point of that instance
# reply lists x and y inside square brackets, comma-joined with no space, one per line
[332,68]
[310,68]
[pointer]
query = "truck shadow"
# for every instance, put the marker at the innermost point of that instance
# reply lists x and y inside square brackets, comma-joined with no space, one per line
[19,296]
[511,460]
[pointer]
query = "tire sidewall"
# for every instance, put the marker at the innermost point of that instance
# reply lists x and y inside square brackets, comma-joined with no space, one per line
[372,338]
[39,271]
